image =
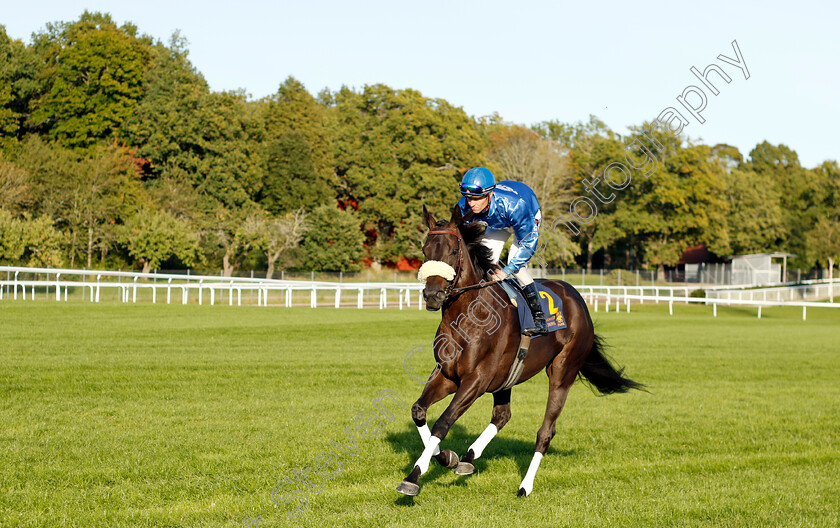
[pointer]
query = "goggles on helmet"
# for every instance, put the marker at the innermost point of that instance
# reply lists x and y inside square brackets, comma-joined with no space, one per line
[470,189]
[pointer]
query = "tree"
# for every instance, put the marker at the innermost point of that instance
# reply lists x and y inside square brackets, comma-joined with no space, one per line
[543,164]
[12,238]
[754,217]
[16,193]
[94,76]
[35,242]
[679,205]
[825,237]
[333,241]
[290,179]
[189,134]
[396,150]
[43,243]
[18,69]
[589,148]
[283,234]
[152,236]
[226,235]
[798,193]
[299,161]
[273,236]
[519,154]
[86,197]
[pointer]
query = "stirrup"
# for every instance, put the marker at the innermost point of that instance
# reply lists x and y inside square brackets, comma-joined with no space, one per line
[540,327]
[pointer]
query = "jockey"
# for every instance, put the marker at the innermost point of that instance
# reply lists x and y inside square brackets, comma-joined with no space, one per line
[507,207]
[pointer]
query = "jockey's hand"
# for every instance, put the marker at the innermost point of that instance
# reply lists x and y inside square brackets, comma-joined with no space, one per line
[498,275]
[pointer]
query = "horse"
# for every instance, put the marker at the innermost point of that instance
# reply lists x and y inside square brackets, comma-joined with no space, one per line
[478,340]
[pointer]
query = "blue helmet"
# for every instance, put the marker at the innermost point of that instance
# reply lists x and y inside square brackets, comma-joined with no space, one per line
[478,181]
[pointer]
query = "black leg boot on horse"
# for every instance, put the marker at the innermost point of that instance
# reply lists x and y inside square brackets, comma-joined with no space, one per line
[533,299]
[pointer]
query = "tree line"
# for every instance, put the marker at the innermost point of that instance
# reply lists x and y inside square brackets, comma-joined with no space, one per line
[114,152]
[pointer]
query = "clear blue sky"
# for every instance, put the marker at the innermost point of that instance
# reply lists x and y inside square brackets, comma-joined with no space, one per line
[622,61]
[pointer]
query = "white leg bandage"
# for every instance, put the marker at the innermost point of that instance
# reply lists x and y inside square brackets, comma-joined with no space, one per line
[426,457]
[425,435]
[528,481]
[484,439]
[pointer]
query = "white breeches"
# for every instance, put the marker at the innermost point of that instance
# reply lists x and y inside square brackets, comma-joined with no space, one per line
[495,239]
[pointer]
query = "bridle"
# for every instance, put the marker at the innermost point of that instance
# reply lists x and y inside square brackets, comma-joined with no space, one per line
[450,290]
[459,266]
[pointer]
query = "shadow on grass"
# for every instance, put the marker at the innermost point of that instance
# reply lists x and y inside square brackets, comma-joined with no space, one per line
[459,439]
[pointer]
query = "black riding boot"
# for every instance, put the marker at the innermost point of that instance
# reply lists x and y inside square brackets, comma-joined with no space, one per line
[533,299]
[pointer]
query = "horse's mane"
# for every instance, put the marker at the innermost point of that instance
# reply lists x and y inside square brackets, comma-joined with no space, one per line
[481,255]
[473,233]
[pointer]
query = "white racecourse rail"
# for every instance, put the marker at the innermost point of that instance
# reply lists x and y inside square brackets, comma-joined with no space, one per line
[205,288]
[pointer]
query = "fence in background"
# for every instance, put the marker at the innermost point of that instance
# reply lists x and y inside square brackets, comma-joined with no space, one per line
[712,274]
[94,286]
[122,286]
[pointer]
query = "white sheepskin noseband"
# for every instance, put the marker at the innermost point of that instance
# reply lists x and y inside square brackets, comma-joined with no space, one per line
[436,268]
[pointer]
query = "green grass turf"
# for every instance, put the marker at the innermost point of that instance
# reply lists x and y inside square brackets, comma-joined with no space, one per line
[138,415]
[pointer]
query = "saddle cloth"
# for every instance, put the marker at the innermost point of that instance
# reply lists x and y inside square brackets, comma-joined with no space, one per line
[552,307]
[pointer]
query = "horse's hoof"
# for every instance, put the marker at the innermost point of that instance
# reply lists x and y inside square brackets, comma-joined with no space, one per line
[522,493]
[464,468]
[408,488]
[449,459]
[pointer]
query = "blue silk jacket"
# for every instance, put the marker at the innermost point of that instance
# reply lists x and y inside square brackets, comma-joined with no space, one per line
[513,205]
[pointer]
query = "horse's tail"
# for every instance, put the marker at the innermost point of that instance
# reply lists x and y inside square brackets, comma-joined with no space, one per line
[600,373]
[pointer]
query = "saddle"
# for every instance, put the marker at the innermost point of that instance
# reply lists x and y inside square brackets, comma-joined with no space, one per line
[552,307]
[551,303]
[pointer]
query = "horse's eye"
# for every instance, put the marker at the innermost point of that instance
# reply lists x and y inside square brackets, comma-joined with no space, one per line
[455,251]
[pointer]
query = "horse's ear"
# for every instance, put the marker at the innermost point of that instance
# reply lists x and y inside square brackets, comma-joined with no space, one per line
[428,218]
[457,216]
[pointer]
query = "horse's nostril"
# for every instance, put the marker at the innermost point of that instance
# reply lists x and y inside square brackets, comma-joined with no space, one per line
[436,295]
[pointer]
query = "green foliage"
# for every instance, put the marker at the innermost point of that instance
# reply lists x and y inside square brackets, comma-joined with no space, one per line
[272,236]
[12,238]
[333,241]
[587,149]
[299,163]
[825,237]
[17,85]
[44,243]
[188,134]
[756,220]
[152,236]
[34,242]
[94,79]
[396,150]
[85,196]
[290,178]
[16,192]
[797,189]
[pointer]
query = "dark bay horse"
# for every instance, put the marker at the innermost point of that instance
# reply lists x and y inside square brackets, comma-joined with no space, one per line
[477,342]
